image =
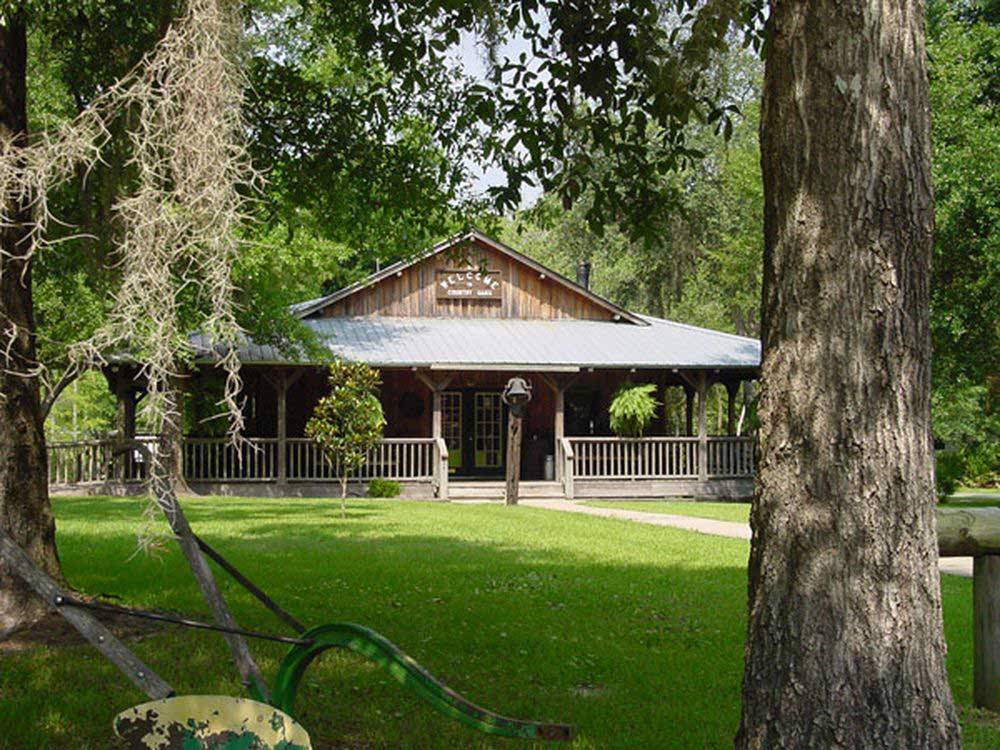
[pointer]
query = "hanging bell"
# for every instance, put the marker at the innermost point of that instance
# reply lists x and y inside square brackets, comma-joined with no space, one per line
[517,393]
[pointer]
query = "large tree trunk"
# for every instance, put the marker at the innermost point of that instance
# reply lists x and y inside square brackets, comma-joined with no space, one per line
[25,514]
[845,645]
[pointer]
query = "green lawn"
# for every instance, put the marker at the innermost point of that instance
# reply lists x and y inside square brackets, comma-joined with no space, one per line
[739,512]
[633,633]
[991,492]
[974,497]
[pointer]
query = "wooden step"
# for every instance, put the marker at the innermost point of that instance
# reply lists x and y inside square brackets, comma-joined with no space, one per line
[459,489]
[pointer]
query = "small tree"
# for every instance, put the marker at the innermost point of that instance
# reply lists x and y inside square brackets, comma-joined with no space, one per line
[347,423]
[633,408]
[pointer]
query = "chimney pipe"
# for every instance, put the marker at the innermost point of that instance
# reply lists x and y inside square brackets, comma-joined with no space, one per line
[583,274]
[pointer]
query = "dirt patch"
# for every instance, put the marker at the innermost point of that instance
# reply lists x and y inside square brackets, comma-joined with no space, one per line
[54,630]
[590,689]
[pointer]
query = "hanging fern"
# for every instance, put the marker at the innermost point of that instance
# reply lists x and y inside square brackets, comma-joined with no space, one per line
[633,408]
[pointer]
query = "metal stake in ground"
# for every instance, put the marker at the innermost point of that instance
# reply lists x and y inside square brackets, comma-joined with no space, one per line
[516,395]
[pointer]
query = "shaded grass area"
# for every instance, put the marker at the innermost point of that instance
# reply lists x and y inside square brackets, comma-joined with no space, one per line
[738,512]
[633,633]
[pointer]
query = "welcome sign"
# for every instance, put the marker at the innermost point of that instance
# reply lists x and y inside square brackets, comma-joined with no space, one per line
[467,284]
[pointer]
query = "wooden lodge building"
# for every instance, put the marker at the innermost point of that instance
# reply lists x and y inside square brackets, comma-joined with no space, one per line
[447,329]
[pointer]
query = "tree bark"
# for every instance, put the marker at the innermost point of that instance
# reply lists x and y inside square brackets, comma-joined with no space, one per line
[845,645]
[25,514]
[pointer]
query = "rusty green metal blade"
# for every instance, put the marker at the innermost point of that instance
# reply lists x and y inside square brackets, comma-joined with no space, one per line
[209,722]
[409,673]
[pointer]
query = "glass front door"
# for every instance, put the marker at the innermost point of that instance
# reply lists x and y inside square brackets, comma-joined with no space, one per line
[473,427]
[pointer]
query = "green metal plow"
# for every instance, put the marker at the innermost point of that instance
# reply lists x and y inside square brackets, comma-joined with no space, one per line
[266,720]
[407,672]
[192,718]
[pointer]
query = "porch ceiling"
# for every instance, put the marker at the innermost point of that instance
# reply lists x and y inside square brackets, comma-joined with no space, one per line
[484,343]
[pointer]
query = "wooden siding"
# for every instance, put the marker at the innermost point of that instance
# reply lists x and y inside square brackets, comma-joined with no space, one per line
[524,294]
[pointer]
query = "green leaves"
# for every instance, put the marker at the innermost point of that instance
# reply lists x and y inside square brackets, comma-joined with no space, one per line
[348,421]
[965,109]
[633,408]
[620,81]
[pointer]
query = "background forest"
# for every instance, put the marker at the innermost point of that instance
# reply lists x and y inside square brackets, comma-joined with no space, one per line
[363,169]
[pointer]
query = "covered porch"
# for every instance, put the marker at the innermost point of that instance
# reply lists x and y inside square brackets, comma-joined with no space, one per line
[446,436]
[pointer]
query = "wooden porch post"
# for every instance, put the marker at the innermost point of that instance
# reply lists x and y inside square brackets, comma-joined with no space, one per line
[663,391]
[123,463]
[559,430]
[702,428]
[282,389]
[125,411]
[436,428]
[559,387]
[437,388]
[688,410]
[731,391]
[281,384]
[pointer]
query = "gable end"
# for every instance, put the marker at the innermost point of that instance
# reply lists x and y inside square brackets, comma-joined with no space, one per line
[468,276]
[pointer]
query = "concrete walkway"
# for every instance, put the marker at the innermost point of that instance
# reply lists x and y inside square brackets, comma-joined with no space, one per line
[959,566]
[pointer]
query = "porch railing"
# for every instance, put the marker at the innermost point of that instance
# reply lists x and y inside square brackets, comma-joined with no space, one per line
[252,460]
[93,461]
[658,457]
[399,459]
[218,460]
[641,458]
[730,457]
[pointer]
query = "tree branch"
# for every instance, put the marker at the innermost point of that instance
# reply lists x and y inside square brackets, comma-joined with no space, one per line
[70,374]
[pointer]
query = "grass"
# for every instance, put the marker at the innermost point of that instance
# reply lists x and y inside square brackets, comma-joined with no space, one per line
[975,497]
[971,502]
[633,633]
[991,492]
[738,512]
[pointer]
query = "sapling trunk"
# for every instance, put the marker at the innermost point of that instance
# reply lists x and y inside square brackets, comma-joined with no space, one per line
[343,496]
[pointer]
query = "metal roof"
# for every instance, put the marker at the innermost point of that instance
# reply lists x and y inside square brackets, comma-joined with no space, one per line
[501,343]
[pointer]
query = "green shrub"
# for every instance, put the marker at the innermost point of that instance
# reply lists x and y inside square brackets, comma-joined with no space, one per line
[967,421]
[383,488]
[949,468]
[632,409]
[981,464]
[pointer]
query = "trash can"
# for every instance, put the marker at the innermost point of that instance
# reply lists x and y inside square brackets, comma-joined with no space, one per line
[550,468]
